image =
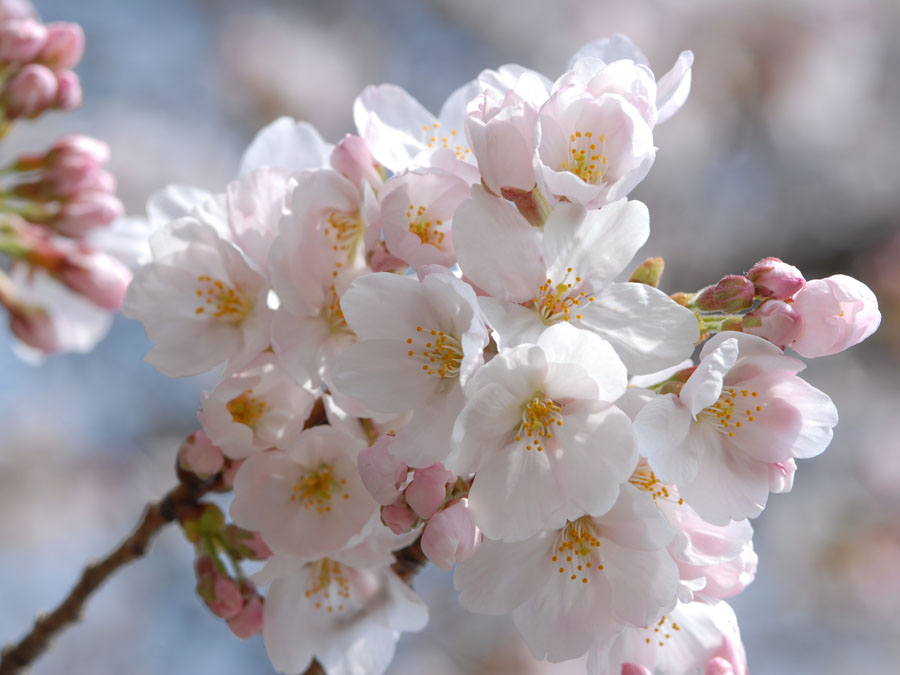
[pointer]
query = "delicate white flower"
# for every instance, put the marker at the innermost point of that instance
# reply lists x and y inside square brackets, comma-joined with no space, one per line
[566,276]
[578,586]
[540,434]
[255,409]
[286,144]
[307,499]
[741,410]
[419,342]
[199,301]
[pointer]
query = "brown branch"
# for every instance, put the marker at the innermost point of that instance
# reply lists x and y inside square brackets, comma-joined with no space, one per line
[158,514]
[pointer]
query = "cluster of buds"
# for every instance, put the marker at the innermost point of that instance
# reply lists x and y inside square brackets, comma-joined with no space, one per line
[60,286]
[430,497]
[36,62]
[441,294]
[220,546]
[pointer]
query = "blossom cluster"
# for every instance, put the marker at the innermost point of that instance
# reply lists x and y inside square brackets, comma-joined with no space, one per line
[61,284]
[445,293]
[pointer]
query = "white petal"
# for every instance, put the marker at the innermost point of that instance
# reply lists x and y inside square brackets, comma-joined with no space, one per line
[393,123]
[287,144]
[673,87]
[563,343]
[661,429]
[705,384]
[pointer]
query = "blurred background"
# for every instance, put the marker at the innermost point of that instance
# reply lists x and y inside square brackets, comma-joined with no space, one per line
[788,146]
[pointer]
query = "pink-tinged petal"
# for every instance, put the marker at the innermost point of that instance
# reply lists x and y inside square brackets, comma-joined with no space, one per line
[486,582]
[635,669]
[749,346]
[729,486]
[496,247]
[299,342]
[381,472]
[661,430]
[673,87]
[705,384]
[643,583]
[596,244]
[563,343]
[426,492]
[560,621]
[598,454]
[450,536]
[362,370]
[648,330]
[515,494]
[512,323]
[394,124]
[287,144]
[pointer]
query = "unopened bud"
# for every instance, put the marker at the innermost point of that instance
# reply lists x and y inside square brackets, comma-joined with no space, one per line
[428,489]
[199,456]
[78,145]
[220,593]
[732,323]
[718,666]
[98,277]
[649,272]
[450,536]
[21,40]
[30,92]
[774,320]
[16,9]
[732,294]
[64,46]
[249,620]
[399,517]
[776,279]
[531,204]
[381,472]
[87,211]
[68,95]
[352,159]
[245,543]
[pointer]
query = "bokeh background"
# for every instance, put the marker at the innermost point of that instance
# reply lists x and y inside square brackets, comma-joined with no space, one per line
[789,146]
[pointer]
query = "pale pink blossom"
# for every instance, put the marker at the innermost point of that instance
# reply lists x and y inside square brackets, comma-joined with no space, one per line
[417,210]
[286,144]
[199,301]
[64,46]
[255,409]
[199,456]
[566,275]
[835,313]
[542,436]
[353,160]
[307,499]
[741,410]
[575,588]
[774,320]
[774,278]
[450,536]
[425,338]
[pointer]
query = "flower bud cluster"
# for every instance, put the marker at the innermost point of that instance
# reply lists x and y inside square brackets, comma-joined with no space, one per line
[61,284]
[424,337]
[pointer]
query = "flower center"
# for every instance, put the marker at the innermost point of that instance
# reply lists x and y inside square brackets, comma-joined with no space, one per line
[221,300]
[556,301]
[644,479]
[332,313]
[442,354]
[345,230]
[659,632]
[539,417]
[734,410]
[329,585]
[577,550]
[586,160]
[428,231]
[437,139]
[315,489]
[246,408]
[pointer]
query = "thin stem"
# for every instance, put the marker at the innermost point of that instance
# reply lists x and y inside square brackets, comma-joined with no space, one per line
[157,515]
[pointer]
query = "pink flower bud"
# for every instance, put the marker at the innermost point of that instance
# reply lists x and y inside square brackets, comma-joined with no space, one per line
[774,278]
[97,276]
[428,489]
[450,536]
[248,622]
[64,47]
[774,320]
[16,9]
[231,469]
[88,210]
[781,476]
[649,272]
[199,456]
[352,159]
[381,472]
[85,148]
[21,40]
[69,95]
[382,261]
[718,666]
[246,543]
[30,92]
[635,669]
[732,294]
[220,593]
[398,516]
[34,326]
[835,313]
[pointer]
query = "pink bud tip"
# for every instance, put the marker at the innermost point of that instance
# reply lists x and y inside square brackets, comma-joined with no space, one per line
[450,536]
[86,211]
[428,488]
[774,320]
[199,456]
[83,147]
[97,276]
[64,46]
[635,669]
[69,95]
[30,92]
[398,516]
[381,472]
[774,278]
[21,40]
[249,620]
[16,9]
[732,294]
[351,158]
[718,666]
